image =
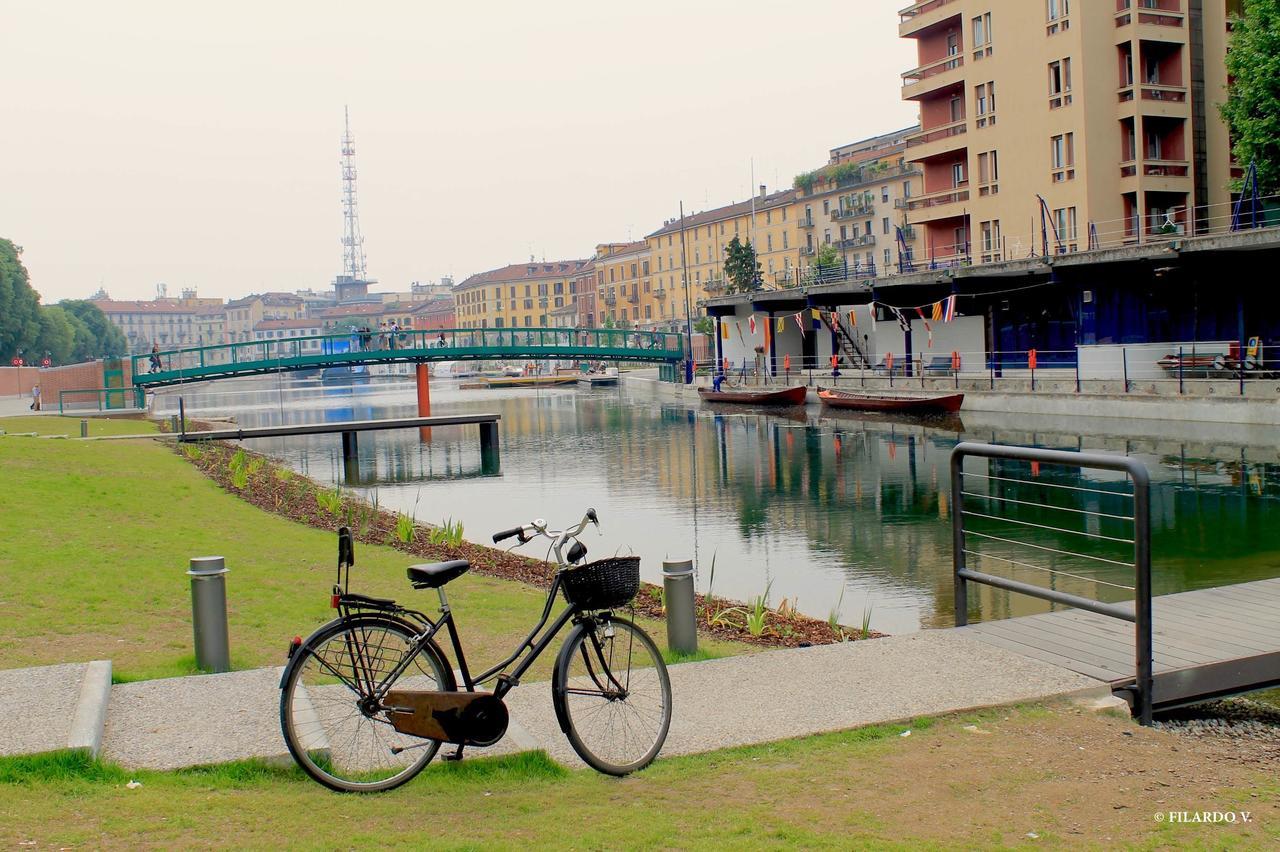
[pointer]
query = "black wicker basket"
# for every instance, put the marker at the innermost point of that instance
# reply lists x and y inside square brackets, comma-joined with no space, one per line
[603,584]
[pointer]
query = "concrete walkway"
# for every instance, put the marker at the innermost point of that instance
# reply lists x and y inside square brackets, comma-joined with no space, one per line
[189,721]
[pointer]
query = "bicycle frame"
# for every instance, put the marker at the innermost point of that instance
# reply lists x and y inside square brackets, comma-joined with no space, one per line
[531,647]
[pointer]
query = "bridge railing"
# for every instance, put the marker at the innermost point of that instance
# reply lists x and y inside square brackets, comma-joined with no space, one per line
[1061,528]
[380,344]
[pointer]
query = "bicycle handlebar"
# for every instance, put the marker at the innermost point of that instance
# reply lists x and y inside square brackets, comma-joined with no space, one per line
[538,527]
[506,534]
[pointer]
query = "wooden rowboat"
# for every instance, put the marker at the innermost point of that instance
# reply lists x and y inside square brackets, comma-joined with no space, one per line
[531,381]
[948,403]
[783,396]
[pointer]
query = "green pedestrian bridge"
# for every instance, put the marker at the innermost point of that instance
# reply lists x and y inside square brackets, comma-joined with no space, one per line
[202,363]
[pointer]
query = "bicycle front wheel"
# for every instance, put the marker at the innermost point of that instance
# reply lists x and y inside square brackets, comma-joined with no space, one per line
[612,695]
[334,727]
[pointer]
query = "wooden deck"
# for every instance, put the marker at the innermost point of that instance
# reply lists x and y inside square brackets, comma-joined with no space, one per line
[1207,643]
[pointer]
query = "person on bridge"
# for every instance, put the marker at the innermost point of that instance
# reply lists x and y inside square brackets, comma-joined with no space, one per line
[155,358]
[442,344]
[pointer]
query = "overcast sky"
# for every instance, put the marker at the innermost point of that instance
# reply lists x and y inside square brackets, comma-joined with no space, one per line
[197,144]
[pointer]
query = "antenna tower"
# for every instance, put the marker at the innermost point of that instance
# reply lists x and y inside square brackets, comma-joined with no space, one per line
[352,241]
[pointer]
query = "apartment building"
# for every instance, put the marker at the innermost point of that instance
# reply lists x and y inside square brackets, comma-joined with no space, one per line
[1051,125]
[521,295]
[166,323]
[623,284]
[857,203]
[766,220]
[287,329]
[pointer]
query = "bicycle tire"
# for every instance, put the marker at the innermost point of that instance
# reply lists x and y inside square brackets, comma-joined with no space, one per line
[613,733]
[330,737]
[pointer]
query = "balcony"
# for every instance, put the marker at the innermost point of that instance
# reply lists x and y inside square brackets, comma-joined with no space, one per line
[937,140]
[807,251]
[852,212]
[1154,99]
[611,299]
[858,242]
[908,232]
[659,293]
[940,205]
[945,72]
[805,221]
[922,14]
[1154,22]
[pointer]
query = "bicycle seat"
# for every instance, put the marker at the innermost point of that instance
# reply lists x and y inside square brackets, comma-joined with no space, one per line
[433,575]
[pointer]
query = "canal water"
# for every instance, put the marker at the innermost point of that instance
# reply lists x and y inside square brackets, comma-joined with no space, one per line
[841,514]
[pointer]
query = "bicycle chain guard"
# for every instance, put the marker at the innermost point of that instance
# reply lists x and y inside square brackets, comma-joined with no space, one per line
[462,718]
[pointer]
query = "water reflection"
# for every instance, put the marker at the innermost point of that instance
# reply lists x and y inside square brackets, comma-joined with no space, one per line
[846,510]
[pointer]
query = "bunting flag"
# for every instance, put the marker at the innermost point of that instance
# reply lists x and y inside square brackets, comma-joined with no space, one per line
[853,318]
[949,312]
[739,325]
[928,328]
[800,321]
[871,311]
[781,325]
[751,324]
[936,310]
[903,322]
[724,331]
[817,314]
[835,320]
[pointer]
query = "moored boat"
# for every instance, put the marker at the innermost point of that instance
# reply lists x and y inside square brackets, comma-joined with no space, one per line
[531,381]
[763,396]
[897,402]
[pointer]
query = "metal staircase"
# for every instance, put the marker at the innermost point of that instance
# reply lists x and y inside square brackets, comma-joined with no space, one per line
[850,349]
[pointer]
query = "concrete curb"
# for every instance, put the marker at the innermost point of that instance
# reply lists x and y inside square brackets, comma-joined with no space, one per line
[90,717]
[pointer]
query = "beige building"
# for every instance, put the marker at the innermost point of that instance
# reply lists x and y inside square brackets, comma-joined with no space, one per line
[1066,122]
[857,203]
[624,285]
[521,295]
[696,246]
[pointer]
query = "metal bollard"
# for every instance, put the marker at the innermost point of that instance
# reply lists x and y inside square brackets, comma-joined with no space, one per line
[173,424]
[209,613]
[84,428]
[682,617]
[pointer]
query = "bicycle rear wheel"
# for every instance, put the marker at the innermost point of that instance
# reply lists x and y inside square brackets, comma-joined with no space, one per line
[612,695]
[334,728]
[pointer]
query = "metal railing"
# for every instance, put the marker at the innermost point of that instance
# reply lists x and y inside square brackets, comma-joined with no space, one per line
[100,399]
[386,345]
[1125,513]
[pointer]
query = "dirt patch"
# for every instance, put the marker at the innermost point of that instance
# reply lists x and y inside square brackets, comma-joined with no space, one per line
[277,489]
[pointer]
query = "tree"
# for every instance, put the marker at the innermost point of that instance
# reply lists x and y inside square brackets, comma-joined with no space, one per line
[57,336]
[96,337]
[1252,110]
[705,325]
[826,261]
[19,304]
[741,267]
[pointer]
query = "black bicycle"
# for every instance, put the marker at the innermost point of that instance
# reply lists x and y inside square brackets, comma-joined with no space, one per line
[367,700]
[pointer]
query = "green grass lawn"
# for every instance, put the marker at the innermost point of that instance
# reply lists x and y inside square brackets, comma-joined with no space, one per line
[97,541]
[1030,776]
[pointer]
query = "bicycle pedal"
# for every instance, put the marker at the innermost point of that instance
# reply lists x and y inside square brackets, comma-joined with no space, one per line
[457,755]
[508,680]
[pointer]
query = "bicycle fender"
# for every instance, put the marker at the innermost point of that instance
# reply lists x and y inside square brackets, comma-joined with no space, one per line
[561,674]
[300,655]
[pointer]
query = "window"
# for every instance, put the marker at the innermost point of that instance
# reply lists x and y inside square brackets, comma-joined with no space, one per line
[1062,157]
[982,36]
[1057,9]
[884,194]
[768,242]
[884,224]
[906,189]
[784,214]
[826,236]
[633,275]
[953,47]
[957,175]
[768,217]
[785,241]
[1059,83]
[984,103]
[888,258]
[826,206]
[957,108]
[1064,224]
[988,173]
[990,235]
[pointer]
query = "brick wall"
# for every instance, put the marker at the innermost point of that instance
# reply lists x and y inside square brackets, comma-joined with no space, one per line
[18,381]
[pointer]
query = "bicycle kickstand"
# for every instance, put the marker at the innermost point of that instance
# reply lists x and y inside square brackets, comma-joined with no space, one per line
[457,755]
